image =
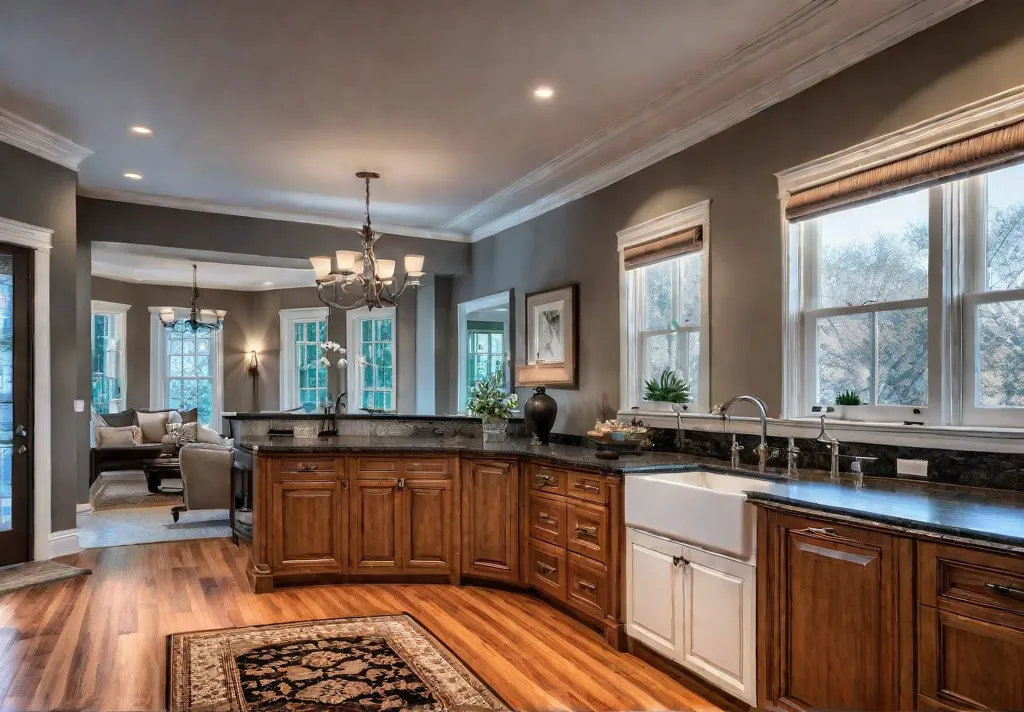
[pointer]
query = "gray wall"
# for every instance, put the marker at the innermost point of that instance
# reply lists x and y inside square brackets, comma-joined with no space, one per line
[37,192]
[975,54]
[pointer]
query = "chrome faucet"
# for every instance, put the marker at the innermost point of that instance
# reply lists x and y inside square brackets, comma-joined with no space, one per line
[725,411]
[792,452]
[833,445]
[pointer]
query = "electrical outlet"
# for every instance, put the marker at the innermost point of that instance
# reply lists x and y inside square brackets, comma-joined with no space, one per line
[79,406]
[912,468]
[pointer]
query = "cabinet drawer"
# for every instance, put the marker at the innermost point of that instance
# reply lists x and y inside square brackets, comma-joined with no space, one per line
[547,518]
[547,569]
[586,486]
[432,467]
[546,479]
[955,578]
[587,533]
[373,468]
[307,465]
[586,586]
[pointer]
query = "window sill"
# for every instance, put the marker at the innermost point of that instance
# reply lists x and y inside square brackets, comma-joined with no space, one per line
[945,437]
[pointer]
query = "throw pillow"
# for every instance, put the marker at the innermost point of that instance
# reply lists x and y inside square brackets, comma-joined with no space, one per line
[154,425]
[127,436]
[189,416]
[181,433]
[174,416]
[208,435]
[120,420]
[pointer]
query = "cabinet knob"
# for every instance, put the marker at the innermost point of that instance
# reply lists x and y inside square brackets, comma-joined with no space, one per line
[679,561]
[344,484]
[401,483]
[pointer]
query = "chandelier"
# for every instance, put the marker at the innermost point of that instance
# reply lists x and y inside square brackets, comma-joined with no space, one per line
[200,321]
[353,279]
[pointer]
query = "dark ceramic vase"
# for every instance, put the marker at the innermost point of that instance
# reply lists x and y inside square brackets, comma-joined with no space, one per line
[540,412]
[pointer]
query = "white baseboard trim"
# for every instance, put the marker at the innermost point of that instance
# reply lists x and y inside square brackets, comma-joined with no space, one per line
[81,508]
[63,543]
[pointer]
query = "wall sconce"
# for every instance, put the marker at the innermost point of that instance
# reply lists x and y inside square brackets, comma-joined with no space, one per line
[253,369]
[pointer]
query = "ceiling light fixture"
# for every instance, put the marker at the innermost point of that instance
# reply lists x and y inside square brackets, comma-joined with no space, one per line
[200,321]
[133,176]
[142,130]
[353,279]
[543,92]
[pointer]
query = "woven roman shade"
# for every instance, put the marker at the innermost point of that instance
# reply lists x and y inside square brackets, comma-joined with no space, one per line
[664,248]
[969,155]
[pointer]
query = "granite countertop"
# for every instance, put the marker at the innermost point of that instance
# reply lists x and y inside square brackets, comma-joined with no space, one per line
[316,415]
[983,516]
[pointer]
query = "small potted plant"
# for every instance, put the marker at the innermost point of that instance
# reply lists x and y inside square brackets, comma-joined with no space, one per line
[667,388]
[489,401]
[844,402]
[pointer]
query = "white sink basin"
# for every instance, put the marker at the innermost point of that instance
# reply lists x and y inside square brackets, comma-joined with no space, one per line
[706,509]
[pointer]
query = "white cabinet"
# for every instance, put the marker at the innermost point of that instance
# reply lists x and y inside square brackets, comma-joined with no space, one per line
[694,607]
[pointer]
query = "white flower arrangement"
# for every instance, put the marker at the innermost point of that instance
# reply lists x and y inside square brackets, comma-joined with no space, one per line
[327,347]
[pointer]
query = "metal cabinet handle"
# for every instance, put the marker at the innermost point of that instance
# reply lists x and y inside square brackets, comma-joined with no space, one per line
[307,466]
[401,483]
[1006,591]
[545,568]
[582,583]
[344,484]
[679,561]
[544,479]
[586,531]
[820,531]
[545,517]
[582,485]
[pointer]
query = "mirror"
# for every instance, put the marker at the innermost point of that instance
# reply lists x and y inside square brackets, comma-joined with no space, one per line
[485,341]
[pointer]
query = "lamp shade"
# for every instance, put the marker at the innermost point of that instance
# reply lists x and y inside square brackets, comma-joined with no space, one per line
[167,316]
[385,269]
[346,259]
[414,263]
[322,267]
[221,313]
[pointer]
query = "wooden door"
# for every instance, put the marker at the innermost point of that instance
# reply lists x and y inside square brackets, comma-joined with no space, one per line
[426,525]
[374,526]
[305,526]
[490,520]
[654,592]
[15,405]
[832,624]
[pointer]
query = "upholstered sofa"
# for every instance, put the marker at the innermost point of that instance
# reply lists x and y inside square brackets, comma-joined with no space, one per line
[205,476]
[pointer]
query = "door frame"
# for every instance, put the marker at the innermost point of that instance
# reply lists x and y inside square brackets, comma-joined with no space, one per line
[39,240]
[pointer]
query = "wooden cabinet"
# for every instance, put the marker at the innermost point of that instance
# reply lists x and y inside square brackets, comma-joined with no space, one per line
[831,601]
[374,523]
[425,517]
[305,525]
[490,520]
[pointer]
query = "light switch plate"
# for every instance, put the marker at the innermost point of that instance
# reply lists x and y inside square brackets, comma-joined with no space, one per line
[79,405]
[912,468]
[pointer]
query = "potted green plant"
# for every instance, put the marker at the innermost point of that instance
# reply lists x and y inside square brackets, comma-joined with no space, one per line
[667,388]
[844,402]
[489,401]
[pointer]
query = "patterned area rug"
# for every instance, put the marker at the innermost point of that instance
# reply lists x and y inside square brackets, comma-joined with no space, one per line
[376,663]
[36,573]
[121,490]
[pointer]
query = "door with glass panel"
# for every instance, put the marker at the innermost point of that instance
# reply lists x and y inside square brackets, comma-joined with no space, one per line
[15,405]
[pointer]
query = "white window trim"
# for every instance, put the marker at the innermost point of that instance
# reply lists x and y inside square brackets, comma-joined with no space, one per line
[158,364]
[630,358]
[288,318]
[945,400]
[100,307]
[352,344]
[501,299]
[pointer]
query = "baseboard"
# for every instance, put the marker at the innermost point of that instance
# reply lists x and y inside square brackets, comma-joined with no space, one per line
[81,509]
[63,543]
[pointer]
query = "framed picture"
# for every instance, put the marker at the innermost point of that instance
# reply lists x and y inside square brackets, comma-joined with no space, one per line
[552,338]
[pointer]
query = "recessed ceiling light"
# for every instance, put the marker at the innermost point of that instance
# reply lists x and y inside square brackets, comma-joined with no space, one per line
[142,130]
[133,176]
[543,92]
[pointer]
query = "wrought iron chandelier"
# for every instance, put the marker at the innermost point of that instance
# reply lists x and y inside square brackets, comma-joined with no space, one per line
[200,321]
[353,279]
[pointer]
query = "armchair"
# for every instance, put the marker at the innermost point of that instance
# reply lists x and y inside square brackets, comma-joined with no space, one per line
[205,477]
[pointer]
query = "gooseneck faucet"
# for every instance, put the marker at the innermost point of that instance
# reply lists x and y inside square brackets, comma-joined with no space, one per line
[762,450]
[833,445]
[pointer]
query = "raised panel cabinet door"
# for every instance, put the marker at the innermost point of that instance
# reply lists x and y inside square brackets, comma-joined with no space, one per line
[305,526]
[490,521]
[374,526]
[654,592]
[835,620]
[426,525]
[718,629]
[969,663]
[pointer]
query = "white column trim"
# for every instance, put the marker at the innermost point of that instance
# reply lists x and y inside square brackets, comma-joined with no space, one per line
[39,240]
[64,543]
[286,350]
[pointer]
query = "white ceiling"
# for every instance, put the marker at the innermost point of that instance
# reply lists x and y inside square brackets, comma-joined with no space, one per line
[146,264]
[273,105]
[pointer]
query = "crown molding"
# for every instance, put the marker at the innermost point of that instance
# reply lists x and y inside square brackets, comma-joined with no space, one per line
[22,133]
[678,121]
[206,206]
[987,114]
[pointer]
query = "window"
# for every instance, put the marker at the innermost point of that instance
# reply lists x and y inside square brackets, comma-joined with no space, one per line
[371,372]
[915,301]
[186,370]
[304,379]
[484,342]
[108,365]
[486,351]
[664,286]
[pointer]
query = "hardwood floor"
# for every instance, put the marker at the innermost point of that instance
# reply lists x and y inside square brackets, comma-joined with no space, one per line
[99,642]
